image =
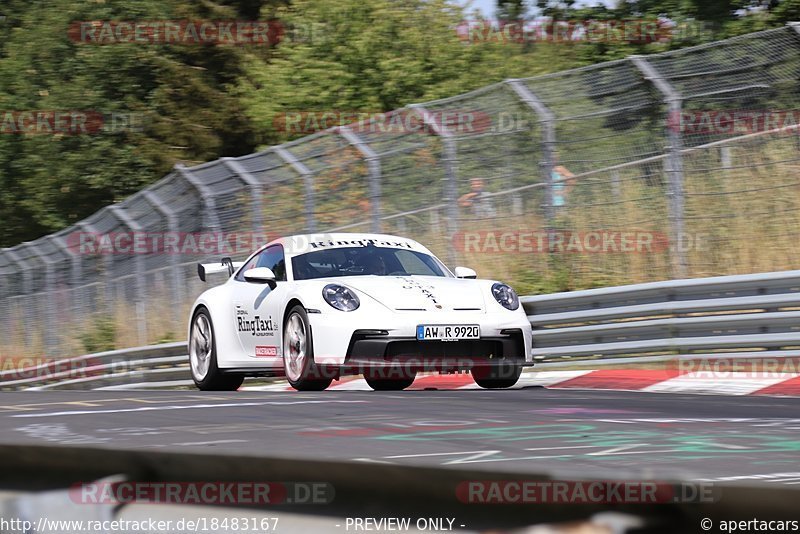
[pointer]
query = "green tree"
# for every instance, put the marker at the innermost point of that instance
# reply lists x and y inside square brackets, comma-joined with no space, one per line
[511,10]
[378,55]
[177,94]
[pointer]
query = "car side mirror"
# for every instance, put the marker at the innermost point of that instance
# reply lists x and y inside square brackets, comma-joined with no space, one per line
[261,275]
[465,272]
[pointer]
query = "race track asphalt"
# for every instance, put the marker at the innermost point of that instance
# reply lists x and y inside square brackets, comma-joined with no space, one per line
[530,430]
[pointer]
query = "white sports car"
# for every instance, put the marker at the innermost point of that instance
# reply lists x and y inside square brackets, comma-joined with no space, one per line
[313,308]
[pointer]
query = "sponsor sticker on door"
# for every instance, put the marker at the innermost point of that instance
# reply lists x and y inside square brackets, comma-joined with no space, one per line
[266,352]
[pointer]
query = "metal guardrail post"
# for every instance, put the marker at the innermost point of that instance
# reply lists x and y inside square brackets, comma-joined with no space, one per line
[172,223]
[374,165]
[141,287]
[256,191]
[675,194]
[547,119]
[308,182]
[210,216]
[450,159]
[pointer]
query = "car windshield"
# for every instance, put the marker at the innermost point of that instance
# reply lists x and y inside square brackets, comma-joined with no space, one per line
[355,261]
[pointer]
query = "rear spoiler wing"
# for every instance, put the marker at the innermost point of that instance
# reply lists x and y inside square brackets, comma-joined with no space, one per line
[226,264]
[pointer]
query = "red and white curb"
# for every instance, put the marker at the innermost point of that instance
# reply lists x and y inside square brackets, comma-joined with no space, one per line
[647,380]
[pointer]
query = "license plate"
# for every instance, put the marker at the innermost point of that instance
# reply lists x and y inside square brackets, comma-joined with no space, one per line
[447,332]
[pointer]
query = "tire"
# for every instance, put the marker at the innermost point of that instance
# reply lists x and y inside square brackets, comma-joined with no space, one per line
[500,376]
[377,382]
[203,357]
[298,353]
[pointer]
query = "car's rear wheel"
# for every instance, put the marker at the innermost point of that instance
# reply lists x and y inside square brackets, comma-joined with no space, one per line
[203,357]
[497,376]
[389,380]
[298,354]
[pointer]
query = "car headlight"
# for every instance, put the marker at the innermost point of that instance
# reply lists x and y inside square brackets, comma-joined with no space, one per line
[506,296]
[340,297]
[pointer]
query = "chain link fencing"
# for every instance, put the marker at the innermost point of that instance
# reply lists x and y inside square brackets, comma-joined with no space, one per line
[673,165]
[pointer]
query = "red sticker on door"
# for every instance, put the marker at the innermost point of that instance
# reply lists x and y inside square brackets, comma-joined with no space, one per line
[266,352]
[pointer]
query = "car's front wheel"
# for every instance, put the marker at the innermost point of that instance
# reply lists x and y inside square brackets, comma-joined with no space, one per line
[298,354]
[203,357]
[497,376]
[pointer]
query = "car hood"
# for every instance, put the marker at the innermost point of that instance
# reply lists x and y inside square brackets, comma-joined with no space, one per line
[420,293]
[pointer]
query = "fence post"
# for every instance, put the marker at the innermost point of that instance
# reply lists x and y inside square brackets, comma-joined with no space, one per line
[107,275]
[172,223]
[547,119]
[141,287]
[308,181]
[256,190]
[450,160]
[50,309]
[5,292]
[374,165]
[210,216]
[675,192]
[75,276]
[27,285]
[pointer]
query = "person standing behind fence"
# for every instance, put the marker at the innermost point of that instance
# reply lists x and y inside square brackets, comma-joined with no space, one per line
[477,200]
[563,182]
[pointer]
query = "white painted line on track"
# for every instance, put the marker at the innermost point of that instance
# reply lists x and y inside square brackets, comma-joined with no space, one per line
[699,382]
[190,407]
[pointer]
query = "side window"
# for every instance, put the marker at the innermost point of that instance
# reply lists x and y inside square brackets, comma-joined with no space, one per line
[271,258]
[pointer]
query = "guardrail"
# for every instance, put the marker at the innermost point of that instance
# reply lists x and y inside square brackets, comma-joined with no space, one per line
[742,316]
[745,315]
[115,368]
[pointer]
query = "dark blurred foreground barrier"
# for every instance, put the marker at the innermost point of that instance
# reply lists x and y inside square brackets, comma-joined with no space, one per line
[355,490]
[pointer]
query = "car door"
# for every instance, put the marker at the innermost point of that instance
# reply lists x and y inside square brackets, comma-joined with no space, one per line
[257,307]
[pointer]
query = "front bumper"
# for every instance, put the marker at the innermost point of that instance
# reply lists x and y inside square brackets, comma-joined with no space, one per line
[369,349]
[381,340]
